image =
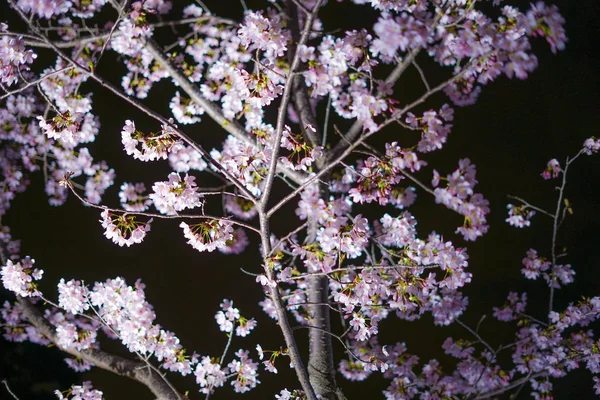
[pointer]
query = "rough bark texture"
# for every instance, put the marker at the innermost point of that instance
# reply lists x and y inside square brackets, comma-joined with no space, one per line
[320,363]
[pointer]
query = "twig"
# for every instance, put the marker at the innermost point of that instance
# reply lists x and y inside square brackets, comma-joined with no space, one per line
[5,382]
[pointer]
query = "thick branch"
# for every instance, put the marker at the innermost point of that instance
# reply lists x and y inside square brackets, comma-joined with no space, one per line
[285,99]
[300,91]
[135,370]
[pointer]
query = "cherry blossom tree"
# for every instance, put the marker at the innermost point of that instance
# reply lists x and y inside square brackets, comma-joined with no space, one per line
[311,118]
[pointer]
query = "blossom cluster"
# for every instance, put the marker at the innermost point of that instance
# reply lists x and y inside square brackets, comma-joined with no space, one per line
[19,277]
[229,317]
[154,146]
[13,57]
[176,194]
[519,216]
[555,275]
[85,391]
[209,235]
[459,195]
[124,229]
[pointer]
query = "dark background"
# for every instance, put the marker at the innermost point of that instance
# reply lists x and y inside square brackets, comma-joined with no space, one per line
[510,134]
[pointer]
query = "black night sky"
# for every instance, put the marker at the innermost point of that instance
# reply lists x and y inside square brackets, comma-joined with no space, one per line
[510,134]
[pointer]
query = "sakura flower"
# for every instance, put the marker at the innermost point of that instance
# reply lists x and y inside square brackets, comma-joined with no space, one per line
[185,110]
[246,371]
[209,375]
[519,216]
[552,170]
[19,277]
[265,281]
[79,392]
[184,158]
[13,58]
[132,197]
[72,296]
[591,145]
[208,236]
[175,194]
[302,155]
[153,146]
[245,326]
[266,34]
[124,229]
[64,128]
[237,244]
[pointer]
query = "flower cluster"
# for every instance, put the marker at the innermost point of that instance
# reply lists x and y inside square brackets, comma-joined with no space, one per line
[519,216]
[555,275]
[302,155]
[175,194]
[229,317]
[124,229]
[515,305]
[19,277]
[13,57]
[459,195]
[183,159]
[265,34]
[68,129]
[240,207]
[125,310]
[552,169]
[132,197]
[209,235]
[591,146]
[377,178]
[80,392]
[434,126]
[153,146]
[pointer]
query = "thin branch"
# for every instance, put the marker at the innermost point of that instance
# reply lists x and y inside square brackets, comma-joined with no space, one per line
[5,382]
[423,78]
[513,385]
[559,203]
[161,216]
[355,268]
[479,338]
[529,205]
[31,83]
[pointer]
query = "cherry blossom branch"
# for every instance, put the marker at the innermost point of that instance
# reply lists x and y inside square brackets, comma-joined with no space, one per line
[32,83]
[285,99]
[107,361]
[300,91]
[286,237]
[513,385]
[191,89]
[139,106]
[161,216]
[529,205]
[356,128]
[557,222]
[355,268]
[479,338]
[34,42]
